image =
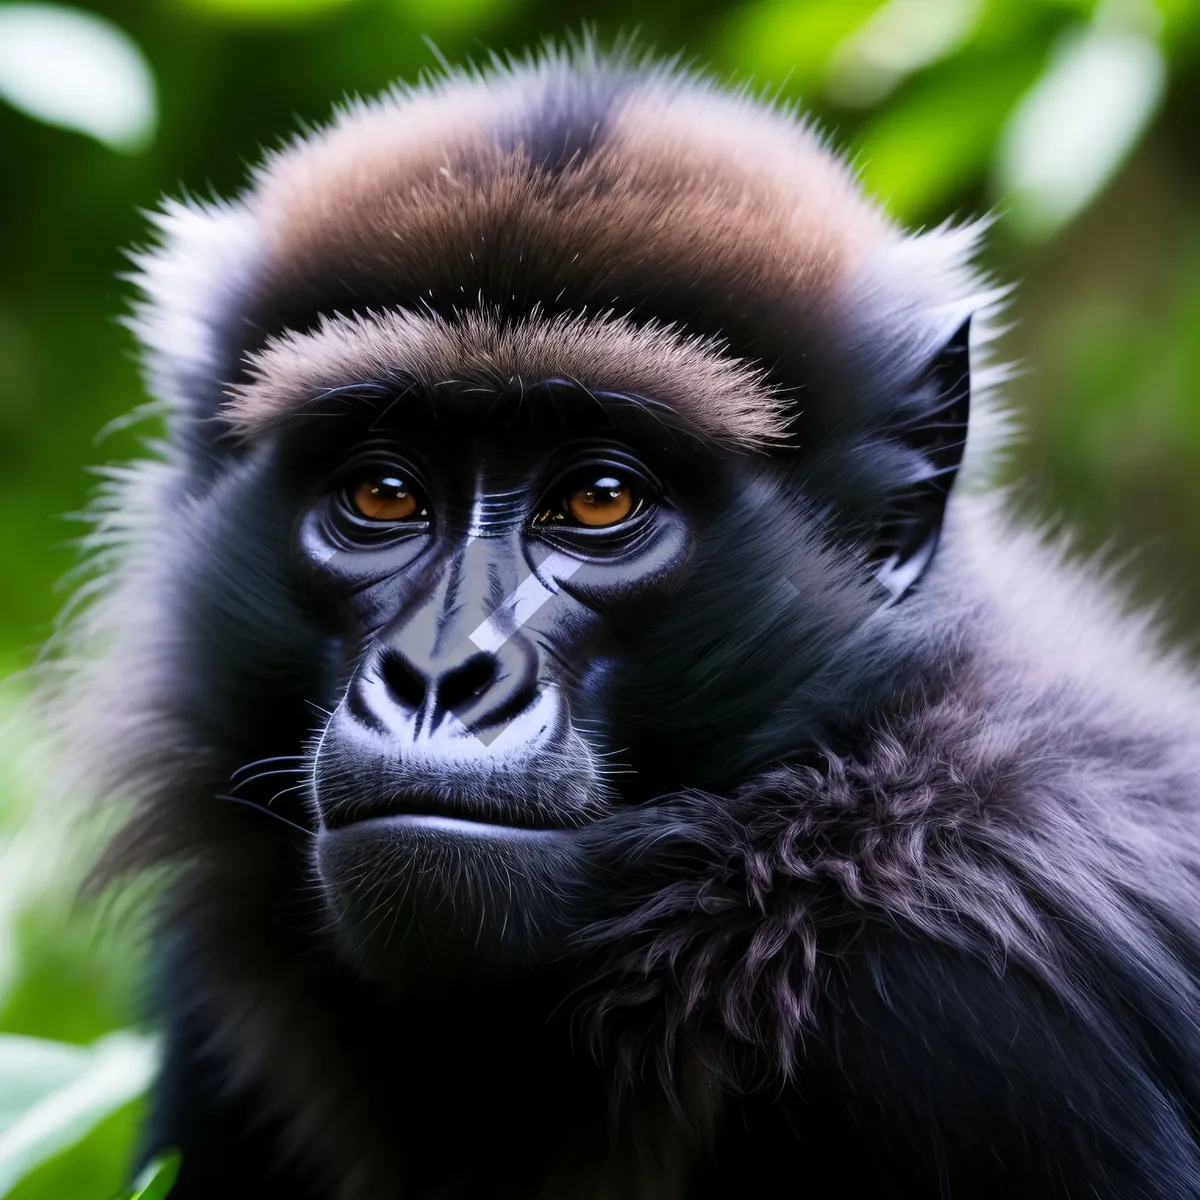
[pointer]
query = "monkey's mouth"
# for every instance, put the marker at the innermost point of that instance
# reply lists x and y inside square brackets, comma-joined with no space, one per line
[409,872]
[434,811]
[447,828]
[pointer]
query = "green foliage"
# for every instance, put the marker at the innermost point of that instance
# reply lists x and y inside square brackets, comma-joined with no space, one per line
[936,138]
[156,1180]
[1072,120]
[55,1094]
[72,68]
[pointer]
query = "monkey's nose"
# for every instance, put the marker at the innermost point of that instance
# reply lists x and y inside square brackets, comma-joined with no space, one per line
[482,689]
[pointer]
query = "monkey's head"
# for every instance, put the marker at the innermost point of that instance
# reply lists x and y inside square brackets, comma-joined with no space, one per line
[543,445]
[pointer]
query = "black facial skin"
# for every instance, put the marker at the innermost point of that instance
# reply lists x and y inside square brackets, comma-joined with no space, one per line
[467,746]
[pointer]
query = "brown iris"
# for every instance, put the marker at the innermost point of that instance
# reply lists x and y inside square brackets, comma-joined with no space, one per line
[605,502]
[388,499]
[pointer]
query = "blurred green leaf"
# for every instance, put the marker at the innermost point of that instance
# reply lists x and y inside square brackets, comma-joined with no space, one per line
[1180,18]
[55,1094]
[157,1179]
[75,69]
[443,16]
[96,1168]
[1075,126]
[252,11]
[781,40]
[940,133]
[900,38]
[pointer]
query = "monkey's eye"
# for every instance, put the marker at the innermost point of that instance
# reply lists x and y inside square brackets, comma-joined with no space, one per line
[385,498]
[604,502]
[593,499]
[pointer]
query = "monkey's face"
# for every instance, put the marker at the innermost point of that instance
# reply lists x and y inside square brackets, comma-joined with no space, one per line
[499,628]
[479,570]
[504,627]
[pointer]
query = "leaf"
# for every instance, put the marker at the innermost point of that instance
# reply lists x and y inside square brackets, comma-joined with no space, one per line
[938,136]
[900,38]
[791,42]
[158,1178]
[55,1094]
[79,71]
[264,11]
[1077,124]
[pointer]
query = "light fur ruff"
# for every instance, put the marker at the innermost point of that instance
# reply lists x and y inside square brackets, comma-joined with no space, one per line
[1051,783]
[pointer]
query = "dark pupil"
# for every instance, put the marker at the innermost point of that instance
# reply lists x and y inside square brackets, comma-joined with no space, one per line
[389,489]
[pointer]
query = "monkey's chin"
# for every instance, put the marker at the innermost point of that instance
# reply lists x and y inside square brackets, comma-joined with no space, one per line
[421,896]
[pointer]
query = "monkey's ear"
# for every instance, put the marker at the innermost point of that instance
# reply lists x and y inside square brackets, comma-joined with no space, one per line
[938,434]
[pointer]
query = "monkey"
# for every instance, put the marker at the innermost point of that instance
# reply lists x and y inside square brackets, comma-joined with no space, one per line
[598,730]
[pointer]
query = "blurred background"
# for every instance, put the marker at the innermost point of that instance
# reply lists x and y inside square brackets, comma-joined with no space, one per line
[1077,123]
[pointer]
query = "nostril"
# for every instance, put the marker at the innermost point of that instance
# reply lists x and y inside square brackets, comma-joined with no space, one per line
[518,700]
[459,687]
[403,681]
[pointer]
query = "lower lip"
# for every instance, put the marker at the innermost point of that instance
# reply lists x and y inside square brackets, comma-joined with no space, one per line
[449,826]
